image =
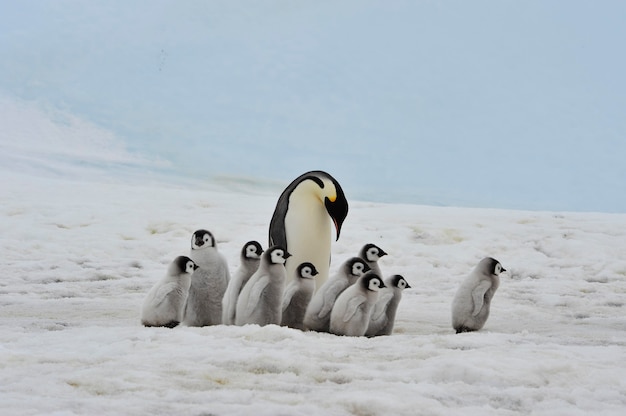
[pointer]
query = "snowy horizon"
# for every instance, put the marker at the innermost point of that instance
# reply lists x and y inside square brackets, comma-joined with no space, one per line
[482,104]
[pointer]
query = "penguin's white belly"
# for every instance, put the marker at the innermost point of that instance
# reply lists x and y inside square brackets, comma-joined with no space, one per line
[308,232]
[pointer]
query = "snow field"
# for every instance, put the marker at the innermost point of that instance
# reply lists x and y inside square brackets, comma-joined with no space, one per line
[80,255]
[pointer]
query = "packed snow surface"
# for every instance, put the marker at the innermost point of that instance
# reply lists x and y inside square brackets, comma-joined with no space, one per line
[79,256]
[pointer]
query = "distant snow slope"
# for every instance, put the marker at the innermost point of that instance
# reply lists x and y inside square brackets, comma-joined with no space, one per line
[37,139]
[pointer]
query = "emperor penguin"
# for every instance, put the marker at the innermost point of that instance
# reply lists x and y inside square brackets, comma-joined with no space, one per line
[250,257]
[208,282]
[384,313]
[260,300]
[297,296]
[302,221]
[317,316]
[352,311]
[470,306]
[371,253]
[165,303]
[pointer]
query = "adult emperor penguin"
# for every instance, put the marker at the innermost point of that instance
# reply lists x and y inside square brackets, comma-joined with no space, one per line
[260,300]
[317,316]
[352,311]
[371,253]
[208,283]
[250,257]
[302,221]
[165,303]
[297,296]
[470,307]
[384,313]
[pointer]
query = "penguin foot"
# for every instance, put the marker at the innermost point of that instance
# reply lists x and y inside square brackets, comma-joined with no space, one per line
[462,329]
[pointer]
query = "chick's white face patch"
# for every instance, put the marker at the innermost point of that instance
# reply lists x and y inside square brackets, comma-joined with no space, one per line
[278,256]
[307,272]
[251,252]
[373,254]
[358,268]
[374,285]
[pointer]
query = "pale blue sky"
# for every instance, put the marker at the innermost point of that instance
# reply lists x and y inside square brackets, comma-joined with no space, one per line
[484,103]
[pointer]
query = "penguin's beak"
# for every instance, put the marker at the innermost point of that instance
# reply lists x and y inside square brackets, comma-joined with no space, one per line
[337,227]
[286,255]
[196,267]
[338,210]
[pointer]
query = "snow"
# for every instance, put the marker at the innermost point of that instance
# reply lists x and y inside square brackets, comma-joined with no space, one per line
[81,248]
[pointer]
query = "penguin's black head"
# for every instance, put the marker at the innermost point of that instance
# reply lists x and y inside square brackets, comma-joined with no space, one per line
[372,282]
[399,282]
[201,239]
[327,191]
[356,266]
[307,271]
[183,264]
[371,252]
[276,255]
[491,266]
[334,199]
[252,250]
[336,205]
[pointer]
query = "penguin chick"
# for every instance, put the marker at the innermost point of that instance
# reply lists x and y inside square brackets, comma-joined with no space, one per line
[301,222]
[208,283]
[297,296]
[317,316]
[250,257]
[371,253]
[165,303]
[260,300]
[384,313]
[470,306]
[353,308]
